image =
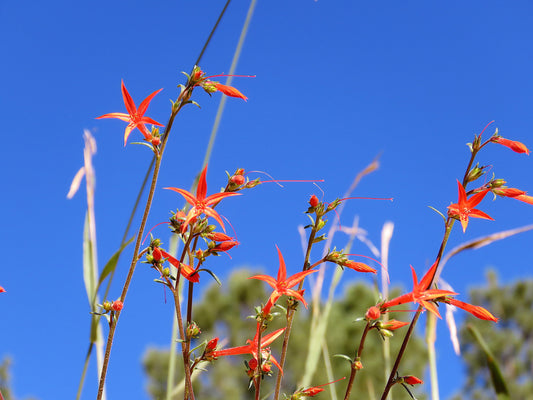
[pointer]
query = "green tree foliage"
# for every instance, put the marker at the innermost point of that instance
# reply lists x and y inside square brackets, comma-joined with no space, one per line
[510,340]
[223,312]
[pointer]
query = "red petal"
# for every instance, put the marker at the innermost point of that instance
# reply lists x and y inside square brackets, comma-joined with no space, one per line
[128,101]
[188,195]
[146,102]
[201,190]
[230,91]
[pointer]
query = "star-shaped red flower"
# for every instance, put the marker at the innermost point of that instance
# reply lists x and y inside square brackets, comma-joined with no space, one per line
[251,347]
[464,208]
[200,204]
[135,117]
[282,285]
[420,293]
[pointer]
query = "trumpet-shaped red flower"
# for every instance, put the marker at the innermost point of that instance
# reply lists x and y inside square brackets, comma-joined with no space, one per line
[186,270]
[198,78]
[251,347]
[515,146]
[135,117]
[282,285]
[420,293]
[525,198]
[201,204]
[476,311]
[464,208]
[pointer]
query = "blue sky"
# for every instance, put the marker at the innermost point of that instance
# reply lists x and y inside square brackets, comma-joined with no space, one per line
[337,83]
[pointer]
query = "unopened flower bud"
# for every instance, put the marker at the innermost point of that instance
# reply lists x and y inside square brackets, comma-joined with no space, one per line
[117,305]
[192,330]
[156,254]
[412,380]
[238,180]
[372,313]
[358,365]
[313,201]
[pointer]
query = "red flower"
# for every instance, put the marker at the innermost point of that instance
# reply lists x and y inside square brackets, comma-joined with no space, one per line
[508,192]
[282,285]
[476,311]
[2,290]
[186,270]
[515,146]
[200,204]
[464,208]
[251,347]
[314,390]
[135,117]
[524,198]
[420,294]
[229,91]
[198,78]
[358,266]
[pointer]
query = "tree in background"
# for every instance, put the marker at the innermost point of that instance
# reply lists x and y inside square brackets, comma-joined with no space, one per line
[223,312]
[510,340]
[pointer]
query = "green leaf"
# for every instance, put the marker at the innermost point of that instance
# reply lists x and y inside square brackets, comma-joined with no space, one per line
[112,263]
[89,266]
[500,387]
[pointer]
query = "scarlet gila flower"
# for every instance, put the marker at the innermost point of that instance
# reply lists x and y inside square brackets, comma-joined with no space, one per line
[525,198]
[198,78]
[186,270]
[135,117]
[508,192]
[515,146]
[200,203]
[464,208]
[476,311]
[420,293]
[282,285]
[314,390]
[251,347]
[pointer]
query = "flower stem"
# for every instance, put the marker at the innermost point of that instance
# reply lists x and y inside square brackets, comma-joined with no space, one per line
[135,258]
[358,354]
[291,311]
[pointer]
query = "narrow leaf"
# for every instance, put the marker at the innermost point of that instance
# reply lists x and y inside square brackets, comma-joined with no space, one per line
[500,387]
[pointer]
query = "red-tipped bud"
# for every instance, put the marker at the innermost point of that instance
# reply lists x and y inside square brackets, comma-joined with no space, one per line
[524,198]
[372,313]
[212,344]
[225,246]
[193,330]
[393,324]
[508,192]
[358,365]
[230,91]
[218,237]
[359,266]
[156,254]
[117,305]
[313,201]
[237,180]
[412,380]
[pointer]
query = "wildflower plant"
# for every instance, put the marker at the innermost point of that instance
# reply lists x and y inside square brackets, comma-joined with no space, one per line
[204,233]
